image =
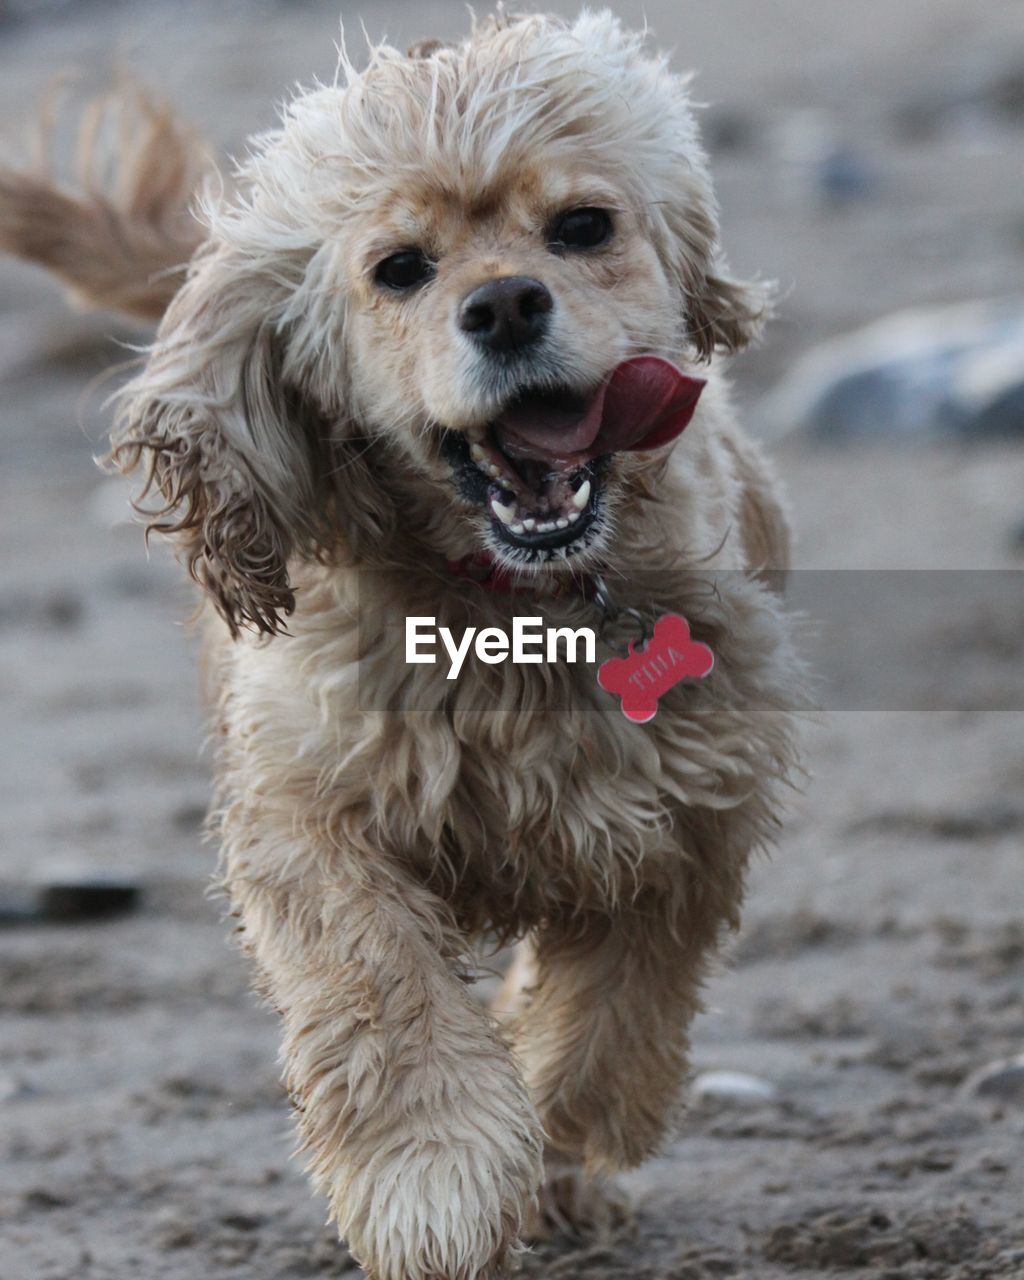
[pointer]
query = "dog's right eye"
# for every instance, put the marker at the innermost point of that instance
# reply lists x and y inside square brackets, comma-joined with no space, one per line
[581,229]
[404,271]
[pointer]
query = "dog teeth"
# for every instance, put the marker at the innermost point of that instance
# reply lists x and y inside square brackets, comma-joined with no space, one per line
[505,514]
[547,527]
[489,468]
[562,523]
[517,527]
[530,524]
[573,515]
[582,496]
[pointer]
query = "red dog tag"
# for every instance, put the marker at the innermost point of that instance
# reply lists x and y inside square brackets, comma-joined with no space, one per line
[649,672]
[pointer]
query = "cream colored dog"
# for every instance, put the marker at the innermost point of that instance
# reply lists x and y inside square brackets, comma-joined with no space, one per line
[404,356]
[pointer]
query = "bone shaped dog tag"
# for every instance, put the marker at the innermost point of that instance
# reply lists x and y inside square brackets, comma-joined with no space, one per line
[647,673]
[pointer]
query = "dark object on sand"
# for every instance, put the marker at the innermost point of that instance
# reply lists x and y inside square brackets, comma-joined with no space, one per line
[69,900]
[954,373]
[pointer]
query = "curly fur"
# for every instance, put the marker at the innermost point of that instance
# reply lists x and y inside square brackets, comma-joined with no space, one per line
[374,821]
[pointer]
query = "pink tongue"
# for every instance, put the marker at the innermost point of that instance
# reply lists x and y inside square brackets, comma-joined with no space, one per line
[645,402]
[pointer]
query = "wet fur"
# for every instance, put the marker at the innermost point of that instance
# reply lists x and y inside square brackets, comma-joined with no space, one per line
[374,819]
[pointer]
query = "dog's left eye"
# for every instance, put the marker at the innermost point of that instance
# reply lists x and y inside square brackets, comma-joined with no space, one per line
[403,271]
[581,229]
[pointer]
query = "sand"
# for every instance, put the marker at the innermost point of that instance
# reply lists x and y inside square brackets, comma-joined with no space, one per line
[143,1130]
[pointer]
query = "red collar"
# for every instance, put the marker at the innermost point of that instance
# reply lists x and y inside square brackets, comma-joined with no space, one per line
[481,568]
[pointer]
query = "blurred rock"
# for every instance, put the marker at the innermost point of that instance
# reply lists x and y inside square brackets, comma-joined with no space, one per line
[951,372]
[844,176]
[31,10]
[93,897]
[61,610]
[70,899]
[1004,91]
[735,1087]
[920,119]
[1001,1081]
[819,164]
[730,131]
[986,96]
[11,1087]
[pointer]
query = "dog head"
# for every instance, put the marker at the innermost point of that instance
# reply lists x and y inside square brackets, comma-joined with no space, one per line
[420,317]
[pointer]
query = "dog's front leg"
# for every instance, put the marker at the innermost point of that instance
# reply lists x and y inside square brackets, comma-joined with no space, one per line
[415,1118]
[602,1031]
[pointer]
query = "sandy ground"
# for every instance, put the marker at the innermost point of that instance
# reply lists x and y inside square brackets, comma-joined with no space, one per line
[143,1132]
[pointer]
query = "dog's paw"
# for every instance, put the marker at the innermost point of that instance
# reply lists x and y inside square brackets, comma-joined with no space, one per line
[434,1206]
[572,1202]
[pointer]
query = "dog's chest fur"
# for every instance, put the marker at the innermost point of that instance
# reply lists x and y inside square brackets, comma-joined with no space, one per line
[514,791]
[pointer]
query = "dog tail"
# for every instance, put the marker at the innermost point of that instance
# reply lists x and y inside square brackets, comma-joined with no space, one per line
[123,235]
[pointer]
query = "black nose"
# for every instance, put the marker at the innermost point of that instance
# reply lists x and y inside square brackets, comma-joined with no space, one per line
[506,314]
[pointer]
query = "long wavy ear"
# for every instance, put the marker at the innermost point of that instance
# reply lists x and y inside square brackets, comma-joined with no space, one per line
[239,461]
[726,315]
[720,313]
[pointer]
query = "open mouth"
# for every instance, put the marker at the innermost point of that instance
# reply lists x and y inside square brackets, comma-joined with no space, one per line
[537,501]
[538,467]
